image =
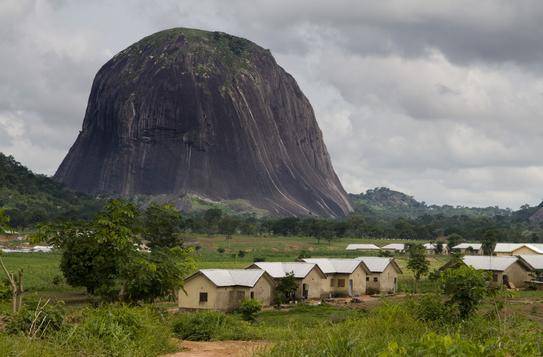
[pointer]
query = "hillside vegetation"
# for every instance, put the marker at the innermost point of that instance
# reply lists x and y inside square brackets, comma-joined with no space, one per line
[29,198]
[382,202]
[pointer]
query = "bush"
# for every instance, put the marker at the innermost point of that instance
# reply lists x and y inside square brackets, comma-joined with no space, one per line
[5,290]
[119,330]
[211,325]
[431,308]
[36,319]
[249,308]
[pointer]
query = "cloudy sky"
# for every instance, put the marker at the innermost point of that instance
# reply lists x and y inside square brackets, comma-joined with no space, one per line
[439,99]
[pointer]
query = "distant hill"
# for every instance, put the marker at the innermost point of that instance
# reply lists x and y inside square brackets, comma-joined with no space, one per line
[30,198]
[383,202]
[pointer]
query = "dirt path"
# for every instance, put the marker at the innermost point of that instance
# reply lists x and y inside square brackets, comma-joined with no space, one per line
[220,348]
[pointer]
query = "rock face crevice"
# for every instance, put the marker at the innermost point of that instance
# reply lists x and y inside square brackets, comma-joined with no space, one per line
[194,112]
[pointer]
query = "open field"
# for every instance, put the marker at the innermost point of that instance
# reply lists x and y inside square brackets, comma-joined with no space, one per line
[41,270]
[388,326]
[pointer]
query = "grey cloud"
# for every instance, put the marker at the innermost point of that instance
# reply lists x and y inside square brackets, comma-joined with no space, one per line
[438,99]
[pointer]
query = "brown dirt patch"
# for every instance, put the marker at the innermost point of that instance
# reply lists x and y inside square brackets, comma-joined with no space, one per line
[220,348]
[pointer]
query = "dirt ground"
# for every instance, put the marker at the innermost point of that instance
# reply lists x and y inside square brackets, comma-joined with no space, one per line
[220,348]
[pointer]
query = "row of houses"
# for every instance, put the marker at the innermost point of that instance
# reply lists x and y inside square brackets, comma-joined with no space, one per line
[431,248]
[316,278]
[501,249]
[510,271]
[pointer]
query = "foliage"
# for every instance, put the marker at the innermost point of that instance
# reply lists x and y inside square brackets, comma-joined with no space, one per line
[453,240]
[249,308]
[431,308]
[286,289]
[94,252]
[162,225]
[147,276]
[384,203]
[119,330]
[465,288]
[28,198]
[489,242]
[210,325]
[36,319]
[4,221]
[418,263]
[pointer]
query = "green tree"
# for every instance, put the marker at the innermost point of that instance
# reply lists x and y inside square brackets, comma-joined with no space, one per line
[212,218]
[453,240]
[228,226]
[417,262]
[148,276]
[286,289]
[490,238]
[93,252]
[465,288]
[162,226]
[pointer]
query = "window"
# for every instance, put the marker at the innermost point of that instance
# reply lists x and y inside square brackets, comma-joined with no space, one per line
[203,297]
[375,279]
[332,282]
[341,283]
[367,278]
[252,294]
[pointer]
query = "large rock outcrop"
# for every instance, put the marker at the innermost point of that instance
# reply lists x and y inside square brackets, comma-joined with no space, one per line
[194,112]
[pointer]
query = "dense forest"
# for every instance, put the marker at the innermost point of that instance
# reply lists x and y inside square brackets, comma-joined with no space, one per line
[29,199]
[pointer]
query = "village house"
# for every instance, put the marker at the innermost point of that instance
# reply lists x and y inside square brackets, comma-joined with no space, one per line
[394,247]
[536,262]
[363,247]
[310,278]
[432,248]
[383,275]
[225,289]
[503,249]
[469,248]
[509,271]
[345,277]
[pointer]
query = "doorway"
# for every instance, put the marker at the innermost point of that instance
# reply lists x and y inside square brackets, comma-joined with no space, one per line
[350,287]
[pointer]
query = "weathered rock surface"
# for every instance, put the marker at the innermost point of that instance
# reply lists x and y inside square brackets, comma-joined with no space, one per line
[189,111]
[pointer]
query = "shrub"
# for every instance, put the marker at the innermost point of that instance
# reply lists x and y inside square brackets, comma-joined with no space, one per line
[432,309]
[211,325]
[465,287]
[249,308]
[5,290]
[57,280]
[36,319]
[119,330]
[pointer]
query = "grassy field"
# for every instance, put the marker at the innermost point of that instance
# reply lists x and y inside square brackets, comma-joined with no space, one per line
[385,326]
[42,274]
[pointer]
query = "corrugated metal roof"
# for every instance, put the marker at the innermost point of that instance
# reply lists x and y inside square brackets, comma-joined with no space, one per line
[486,262]
[429,246]
[535,260]
[510,247]
[376,264]
[281,269]
[475,246]
[233,277]
[394,246]
[334,266]
[362,247]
